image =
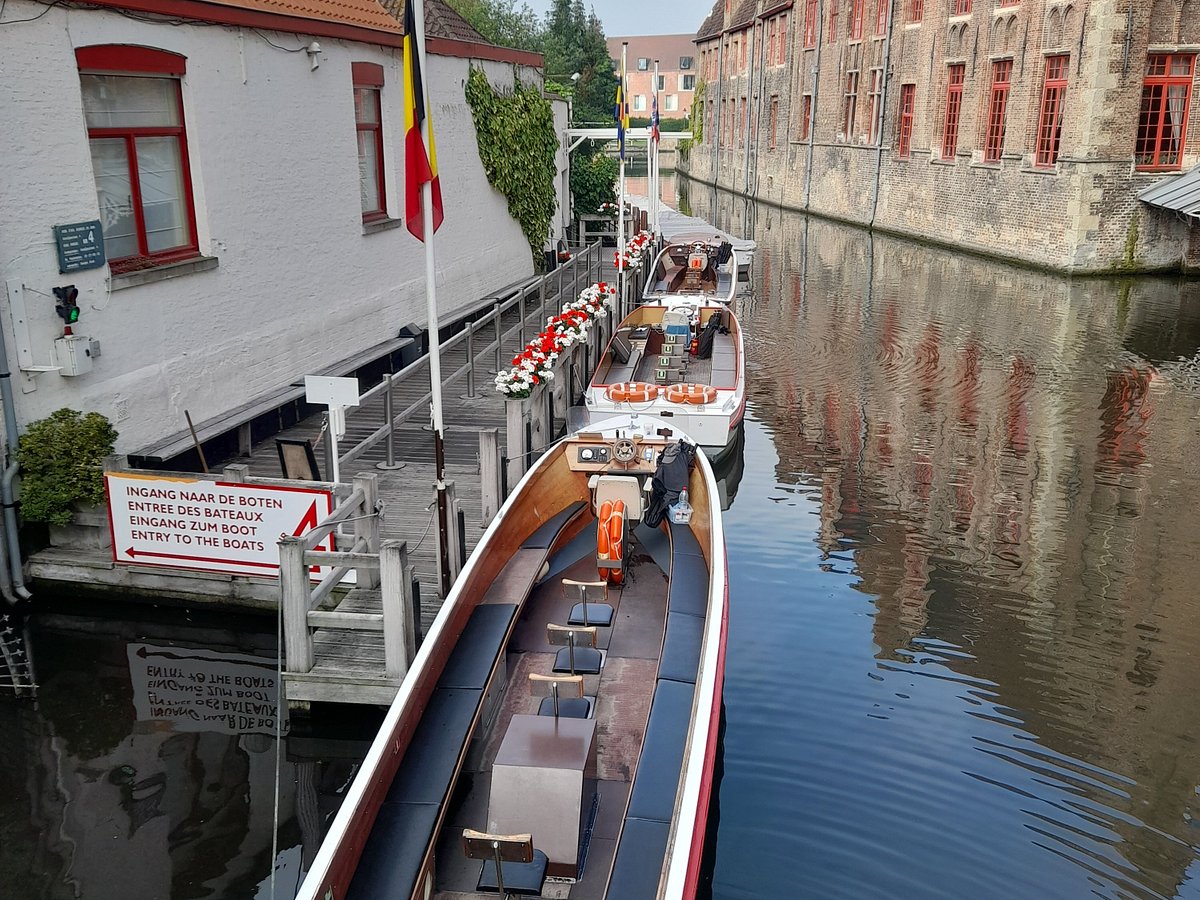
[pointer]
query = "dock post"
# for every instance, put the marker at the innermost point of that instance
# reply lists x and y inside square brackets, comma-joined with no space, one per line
[539,419]
[489,474]
[295,596]
[237,473]
[398,639]
[366,525]
[451,540]
[516,413]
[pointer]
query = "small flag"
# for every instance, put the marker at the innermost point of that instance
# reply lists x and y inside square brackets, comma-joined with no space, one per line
[420,166]
[654,112]
[621,114]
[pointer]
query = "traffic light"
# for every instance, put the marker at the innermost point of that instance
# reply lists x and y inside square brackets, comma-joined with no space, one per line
[67,306]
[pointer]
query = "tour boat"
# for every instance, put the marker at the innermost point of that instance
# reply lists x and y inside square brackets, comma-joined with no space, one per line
[560,720]
[681,360]
[699,268]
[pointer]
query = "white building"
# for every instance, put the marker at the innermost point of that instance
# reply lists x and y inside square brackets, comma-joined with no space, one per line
[245,159]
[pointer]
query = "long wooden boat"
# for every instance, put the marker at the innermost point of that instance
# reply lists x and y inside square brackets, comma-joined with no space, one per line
[699,268]
[680,360]
[614,803]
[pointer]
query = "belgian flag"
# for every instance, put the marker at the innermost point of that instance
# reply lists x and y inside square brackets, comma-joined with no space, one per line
[420,165]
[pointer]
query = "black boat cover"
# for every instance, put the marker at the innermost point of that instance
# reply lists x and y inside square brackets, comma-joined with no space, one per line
[669,479]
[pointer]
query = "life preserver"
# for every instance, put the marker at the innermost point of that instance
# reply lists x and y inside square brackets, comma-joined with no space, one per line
[631,392]
[609,533]
[697,394]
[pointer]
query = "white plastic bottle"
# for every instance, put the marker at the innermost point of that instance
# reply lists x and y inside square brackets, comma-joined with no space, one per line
[681,510]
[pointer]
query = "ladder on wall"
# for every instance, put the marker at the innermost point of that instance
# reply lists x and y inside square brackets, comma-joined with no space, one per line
[16,668]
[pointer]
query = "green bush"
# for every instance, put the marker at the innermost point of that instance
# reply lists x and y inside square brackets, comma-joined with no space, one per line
[593,181]
[62,460]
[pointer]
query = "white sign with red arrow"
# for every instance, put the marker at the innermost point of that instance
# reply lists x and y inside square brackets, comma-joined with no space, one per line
[208,525]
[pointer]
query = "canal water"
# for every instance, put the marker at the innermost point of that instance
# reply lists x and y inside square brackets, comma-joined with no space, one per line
[964,648]
[964,636]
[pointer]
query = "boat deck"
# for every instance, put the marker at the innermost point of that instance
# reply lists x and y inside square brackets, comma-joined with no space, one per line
[719,371]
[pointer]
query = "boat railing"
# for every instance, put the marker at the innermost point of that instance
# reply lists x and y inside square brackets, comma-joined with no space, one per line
[378,565]
[483,340]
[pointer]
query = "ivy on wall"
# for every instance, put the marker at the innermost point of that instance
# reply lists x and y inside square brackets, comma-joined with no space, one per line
[517,144]
[698,112]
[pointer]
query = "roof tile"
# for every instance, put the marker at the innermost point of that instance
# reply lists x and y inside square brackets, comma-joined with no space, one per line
[440,21]
[711,27]
[362,13]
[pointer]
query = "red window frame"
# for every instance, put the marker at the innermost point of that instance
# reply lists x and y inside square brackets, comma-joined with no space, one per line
[369,77]
[858,14]
[908,105]
[833,17]
[774,119]
[1159,144]
[961,8]
[850,106]
[955,76]
[782,49]
[806,117]
[127,59]
[1050,116]
[916,10]
[993,143]
[874,96]
[772,37]
[881,16]
[811,25]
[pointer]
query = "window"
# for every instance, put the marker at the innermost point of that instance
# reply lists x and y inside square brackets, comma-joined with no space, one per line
[662,83]
[961,8]
[639,102]
[993,144]
[741,122]
[850,106]
[770,26]
[881,17]
[954,90]
[1049,133]
[806,117]
[643,64]
[774,118]
[833,13]
[858,12]
[133,107]
[672,103]
[811,25]
[874,96]
[908,104]
[685,63]
[916,10]
[687,82]
[1162,122]
[742,53]
[368,82]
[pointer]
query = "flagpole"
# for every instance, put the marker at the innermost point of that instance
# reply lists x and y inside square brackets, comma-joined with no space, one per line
[654,188]
[431,308]
[621,187]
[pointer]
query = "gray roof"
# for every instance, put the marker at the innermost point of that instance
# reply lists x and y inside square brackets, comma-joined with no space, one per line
[1179,193]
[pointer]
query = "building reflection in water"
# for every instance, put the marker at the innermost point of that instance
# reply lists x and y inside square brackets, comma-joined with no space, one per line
[1006,459]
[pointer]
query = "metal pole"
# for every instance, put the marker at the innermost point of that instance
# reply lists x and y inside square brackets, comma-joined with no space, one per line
[542,296]
[391,463]
[470,360]
[499,871]
[496,313]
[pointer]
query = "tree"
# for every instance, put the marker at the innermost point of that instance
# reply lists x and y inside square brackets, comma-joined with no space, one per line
[502,22]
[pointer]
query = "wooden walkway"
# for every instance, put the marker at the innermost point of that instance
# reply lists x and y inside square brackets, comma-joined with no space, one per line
[407,493]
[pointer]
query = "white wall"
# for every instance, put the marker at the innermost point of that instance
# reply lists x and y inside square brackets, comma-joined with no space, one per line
[274,168]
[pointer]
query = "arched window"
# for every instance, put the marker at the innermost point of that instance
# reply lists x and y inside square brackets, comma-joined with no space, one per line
[133,106]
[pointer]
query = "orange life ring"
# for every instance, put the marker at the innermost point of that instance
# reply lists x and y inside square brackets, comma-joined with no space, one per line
[697,394]
[609,533]
[631,392]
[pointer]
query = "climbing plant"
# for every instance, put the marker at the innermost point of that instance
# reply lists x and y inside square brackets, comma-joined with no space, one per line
[62,460]
[593,179]
[517,144]
[698,113]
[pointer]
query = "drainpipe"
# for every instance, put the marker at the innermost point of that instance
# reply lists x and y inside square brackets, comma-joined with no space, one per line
[749,106]
[812,116]
[17,576]
[718,111]
[882,112]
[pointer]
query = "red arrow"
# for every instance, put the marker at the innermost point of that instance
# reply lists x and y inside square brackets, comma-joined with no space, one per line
[309,521]
[132,554]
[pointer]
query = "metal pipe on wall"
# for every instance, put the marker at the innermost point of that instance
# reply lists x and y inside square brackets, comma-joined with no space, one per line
[882,112]
[16,575]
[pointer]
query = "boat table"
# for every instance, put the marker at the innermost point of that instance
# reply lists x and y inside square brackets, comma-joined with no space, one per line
[543,783]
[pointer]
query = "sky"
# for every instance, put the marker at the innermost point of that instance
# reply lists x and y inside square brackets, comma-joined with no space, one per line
[635,17]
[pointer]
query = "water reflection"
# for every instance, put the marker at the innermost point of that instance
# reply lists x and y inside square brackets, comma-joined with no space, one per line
[146,767]
[996,462]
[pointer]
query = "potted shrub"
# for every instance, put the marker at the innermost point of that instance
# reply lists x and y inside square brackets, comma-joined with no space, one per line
[62,475]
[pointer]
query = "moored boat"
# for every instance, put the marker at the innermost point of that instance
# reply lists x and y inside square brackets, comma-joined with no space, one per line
[700,268]
[563,709]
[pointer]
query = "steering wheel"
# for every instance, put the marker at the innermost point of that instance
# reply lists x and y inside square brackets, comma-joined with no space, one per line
[624,451]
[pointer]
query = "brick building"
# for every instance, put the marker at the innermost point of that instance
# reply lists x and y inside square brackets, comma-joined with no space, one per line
[676,55]
[1020,128]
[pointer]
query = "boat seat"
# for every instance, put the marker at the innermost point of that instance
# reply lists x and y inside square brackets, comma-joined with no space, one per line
[568,689]
[574,659]
[638,866]
[509,859]
[681,647]
[545,536]
[618,487]
[656,780]
[588,611]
